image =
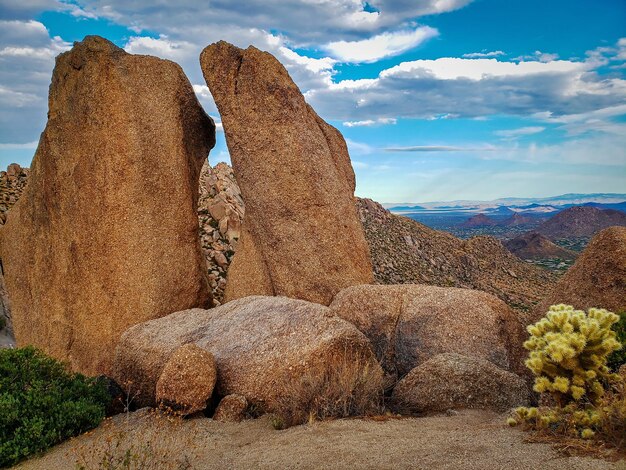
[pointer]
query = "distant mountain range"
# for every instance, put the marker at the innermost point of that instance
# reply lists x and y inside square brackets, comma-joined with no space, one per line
[507,206]
[575,221]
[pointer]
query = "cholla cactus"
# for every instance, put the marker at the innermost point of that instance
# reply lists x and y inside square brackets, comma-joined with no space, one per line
[569,350]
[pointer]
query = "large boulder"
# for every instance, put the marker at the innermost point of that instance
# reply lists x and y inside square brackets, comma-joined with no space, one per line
[105,234]
[283,355]
[410,323]
[301,236]
[597,279]
[449,381]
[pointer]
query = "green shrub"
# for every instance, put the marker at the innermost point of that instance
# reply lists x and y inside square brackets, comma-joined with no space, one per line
[42,403]
[618,358]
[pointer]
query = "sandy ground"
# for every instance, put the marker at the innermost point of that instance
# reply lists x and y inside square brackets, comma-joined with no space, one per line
[468,440]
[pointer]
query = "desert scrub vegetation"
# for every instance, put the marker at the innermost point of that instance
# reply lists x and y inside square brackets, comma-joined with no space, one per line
[150,441]
[42,403]
[618,358]
[347,385]
[569,350]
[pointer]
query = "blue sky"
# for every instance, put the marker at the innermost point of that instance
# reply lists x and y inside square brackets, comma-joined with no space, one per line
[437,99]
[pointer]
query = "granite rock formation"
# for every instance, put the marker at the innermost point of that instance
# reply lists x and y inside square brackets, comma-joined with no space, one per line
[408,324]
[105,234]
[301,237]
[278,353]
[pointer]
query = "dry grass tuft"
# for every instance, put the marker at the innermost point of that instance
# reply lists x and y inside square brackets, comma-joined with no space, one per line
[349,384]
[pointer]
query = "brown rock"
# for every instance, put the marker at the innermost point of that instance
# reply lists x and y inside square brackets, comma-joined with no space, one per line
[187,380]
[409,324]
[281,354]
[232,409]
[449,381]
[597,279]
[105,234]
[221,260]
[301,236]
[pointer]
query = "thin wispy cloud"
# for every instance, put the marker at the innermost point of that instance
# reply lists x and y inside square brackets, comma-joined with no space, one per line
[439,148]
[484,54]
[370,122]
[520,132]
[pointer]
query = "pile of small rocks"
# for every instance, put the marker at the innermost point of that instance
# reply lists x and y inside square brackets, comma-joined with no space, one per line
[12,183]
[220,214]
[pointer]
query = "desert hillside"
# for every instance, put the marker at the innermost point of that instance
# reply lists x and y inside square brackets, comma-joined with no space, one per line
[405,251]
[580,221]
[533,245]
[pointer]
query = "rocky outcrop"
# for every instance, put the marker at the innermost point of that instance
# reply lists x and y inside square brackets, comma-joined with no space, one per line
[282,355]
[12,183]
[407,252]
[301,237]
[409,324]
[533,245]
[449,381]
[220,214]
[597,279]
[187,380]
[105,234]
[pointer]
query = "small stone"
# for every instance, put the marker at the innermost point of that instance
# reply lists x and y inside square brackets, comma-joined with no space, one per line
[220,259]
[232,409]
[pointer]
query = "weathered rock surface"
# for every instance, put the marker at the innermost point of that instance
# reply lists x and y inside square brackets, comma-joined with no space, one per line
[409,324]
[407,252]
[187,380]
[277,352]
[301,237]
[232,409]
[105,234]
[449,381]
[597,279]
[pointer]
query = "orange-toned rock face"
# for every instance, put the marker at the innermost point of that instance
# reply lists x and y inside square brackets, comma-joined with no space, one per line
[106,235]
[597,279]
[301,236]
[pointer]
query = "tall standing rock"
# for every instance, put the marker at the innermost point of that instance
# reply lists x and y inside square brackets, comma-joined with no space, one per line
[301,236]
[106,233]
